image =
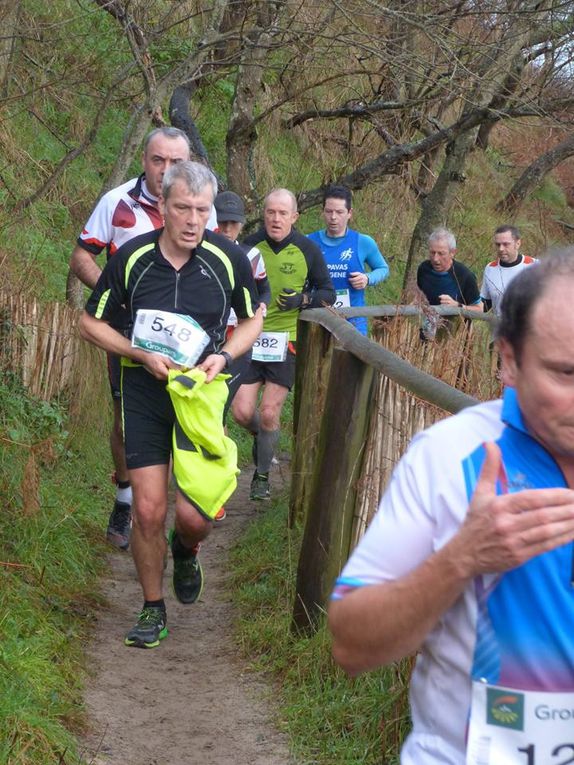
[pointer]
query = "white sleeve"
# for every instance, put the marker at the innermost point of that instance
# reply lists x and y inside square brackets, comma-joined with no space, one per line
[257,263]
[485,289]
[98,231]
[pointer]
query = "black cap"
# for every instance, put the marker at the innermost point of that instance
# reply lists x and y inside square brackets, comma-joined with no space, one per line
[229,206]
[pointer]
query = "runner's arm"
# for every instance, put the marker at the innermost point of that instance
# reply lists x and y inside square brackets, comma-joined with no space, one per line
[100,333]
[382,622]
[263,290]
[245,334]
[377,624]
[319,289]
[241,340]
[370,254]
[84,266]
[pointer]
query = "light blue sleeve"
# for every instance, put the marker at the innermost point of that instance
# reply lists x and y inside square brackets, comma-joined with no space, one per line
[370,254]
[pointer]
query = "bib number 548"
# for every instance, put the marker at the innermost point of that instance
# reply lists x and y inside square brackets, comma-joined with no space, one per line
[181,333]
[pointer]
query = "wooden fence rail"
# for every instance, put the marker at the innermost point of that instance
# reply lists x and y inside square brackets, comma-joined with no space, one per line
[357,406]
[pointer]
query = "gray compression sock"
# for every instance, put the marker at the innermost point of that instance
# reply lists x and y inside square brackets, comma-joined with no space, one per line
[266,443]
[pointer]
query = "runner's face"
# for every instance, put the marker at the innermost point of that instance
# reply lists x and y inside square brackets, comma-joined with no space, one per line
[336,216]
[279,216]
[162,153]
[506,247]
[185,217]
[544,375]
[440,255]
[230,228]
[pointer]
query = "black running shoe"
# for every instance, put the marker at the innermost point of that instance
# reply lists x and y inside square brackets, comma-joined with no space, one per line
[119,525]
[149,629]
[187,572]
[260,486]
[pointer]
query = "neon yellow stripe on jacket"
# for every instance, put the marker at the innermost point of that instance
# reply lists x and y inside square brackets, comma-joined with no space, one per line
[224,259]
[135,256]
[102,304]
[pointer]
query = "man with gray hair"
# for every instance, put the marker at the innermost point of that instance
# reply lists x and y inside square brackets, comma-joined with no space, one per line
[468,562]
[178,278]
[121,214]
[442,279]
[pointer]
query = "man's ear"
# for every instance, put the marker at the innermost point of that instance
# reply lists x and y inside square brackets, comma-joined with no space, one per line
[509,362]
[161,205]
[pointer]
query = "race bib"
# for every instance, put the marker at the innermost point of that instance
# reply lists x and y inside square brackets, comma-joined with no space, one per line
[178,337]
[513,727]
[270,346]
[342,299]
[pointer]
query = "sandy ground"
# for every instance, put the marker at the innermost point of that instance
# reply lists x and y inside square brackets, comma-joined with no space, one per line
[192,700]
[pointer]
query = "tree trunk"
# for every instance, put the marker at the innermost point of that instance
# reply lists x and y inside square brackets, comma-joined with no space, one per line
[534,175]
[9,18]
[241,132]
[491,79]
[181,118]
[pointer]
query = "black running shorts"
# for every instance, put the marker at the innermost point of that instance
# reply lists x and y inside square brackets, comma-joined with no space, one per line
[114,375]
[278,372]
[148,418]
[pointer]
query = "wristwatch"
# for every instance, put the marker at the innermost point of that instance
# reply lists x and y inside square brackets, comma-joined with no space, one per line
[227,356]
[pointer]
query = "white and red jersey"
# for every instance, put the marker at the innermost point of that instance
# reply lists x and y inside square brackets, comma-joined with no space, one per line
[497,277]
[121,214]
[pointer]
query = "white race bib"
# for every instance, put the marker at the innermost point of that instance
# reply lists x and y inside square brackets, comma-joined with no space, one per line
[270,346]
[342,299]
[510,727]
[174,335]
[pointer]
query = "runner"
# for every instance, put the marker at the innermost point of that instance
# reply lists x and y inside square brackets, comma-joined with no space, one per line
[508,264]
[299,279]
[469,560]
[347,252]
[123,213]
[180,271]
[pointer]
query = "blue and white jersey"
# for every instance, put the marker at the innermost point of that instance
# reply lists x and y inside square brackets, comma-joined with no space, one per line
[514,629]
[347,254]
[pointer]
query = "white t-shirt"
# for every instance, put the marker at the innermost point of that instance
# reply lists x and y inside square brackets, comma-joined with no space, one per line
[512,629]
[497,278]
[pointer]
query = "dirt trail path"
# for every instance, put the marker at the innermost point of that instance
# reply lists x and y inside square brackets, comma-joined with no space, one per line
[190,701]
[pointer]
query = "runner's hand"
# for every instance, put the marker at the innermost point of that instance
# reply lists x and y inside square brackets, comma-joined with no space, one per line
[289,300]
[504,531]
[212,366]
[358,280]
[157,365]
[448,300]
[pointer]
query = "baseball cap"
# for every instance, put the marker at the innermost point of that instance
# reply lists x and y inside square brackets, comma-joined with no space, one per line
[229,206]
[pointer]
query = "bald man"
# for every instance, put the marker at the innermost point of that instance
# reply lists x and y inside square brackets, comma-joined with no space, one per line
[299,279]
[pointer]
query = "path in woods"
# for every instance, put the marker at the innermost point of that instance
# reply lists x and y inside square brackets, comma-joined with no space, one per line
[192,700]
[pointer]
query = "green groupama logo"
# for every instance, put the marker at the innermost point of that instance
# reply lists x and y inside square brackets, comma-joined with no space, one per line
[505,709]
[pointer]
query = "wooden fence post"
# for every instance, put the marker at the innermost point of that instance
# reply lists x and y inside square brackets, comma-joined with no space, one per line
[337,466]
[314,351]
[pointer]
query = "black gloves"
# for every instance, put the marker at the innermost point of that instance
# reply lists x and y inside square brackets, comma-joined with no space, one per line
[288,299]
